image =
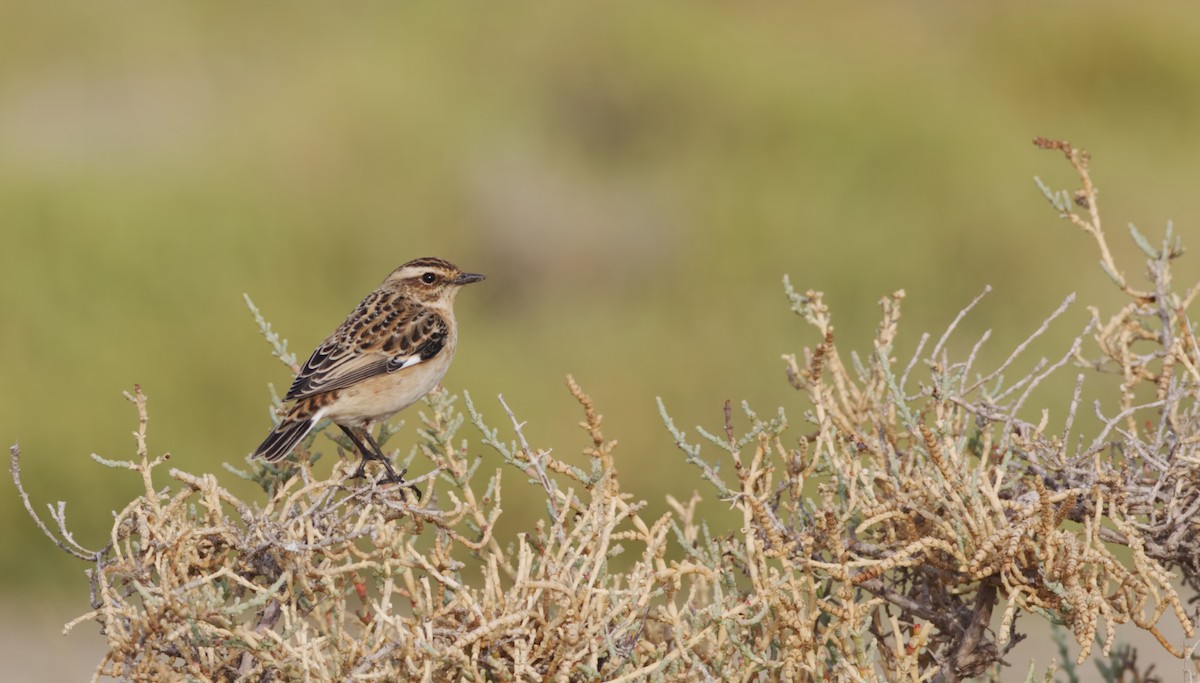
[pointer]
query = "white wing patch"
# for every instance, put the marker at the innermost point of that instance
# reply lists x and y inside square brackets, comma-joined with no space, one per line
[406,362]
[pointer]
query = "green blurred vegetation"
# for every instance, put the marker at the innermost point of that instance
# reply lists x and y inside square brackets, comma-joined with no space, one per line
[634,178]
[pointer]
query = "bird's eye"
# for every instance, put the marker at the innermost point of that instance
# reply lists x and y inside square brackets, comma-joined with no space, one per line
[429,278]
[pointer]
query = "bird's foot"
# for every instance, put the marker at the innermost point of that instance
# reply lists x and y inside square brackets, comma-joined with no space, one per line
[392,476]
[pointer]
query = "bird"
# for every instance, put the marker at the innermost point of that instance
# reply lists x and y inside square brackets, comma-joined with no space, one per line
[394,348]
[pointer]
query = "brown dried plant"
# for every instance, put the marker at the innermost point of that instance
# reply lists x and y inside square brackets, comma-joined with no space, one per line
[326,581]
[877,543]
[943,504]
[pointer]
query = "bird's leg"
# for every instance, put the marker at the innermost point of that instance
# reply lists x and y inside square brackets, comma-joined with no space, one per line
[392,476]
[366,453]
[374,453]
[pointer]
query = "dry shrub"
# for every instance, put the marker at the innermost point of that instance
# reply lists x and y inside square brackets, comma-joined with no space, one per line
[878,539]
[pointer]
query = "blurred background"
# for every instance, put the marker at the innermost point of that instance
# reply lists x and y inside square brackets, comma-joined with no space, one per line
[634,178]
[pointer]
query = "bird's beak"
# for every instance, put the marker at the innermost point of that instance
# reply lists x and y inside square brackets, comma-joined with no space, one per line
[468,278]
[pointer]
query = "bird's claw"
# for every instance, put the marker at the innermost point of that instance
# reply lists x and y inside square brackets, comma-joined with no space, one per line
[392,476]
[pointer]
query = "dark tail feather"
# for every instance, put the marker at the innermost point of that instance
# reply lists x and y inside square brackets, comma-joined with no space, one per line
[285,437]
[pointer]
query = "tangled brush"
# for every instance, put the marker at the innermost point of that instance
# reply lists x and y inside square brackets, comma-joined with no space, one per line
[880,533]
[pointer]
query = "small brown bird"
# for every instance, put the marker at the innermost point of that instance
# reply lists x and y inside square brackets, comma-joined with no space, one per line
[392,350]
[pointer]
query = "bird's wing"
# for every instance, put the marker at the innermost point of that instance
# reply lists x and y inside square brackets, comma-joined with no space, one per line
[384,334]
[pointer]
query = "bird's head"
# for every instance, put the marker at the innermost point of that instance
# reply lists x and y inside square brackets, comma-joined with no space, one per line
[431,280]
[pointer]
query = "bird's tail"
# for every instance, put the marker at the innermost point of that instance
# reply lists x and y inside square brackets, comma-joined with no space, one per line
[293,427]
